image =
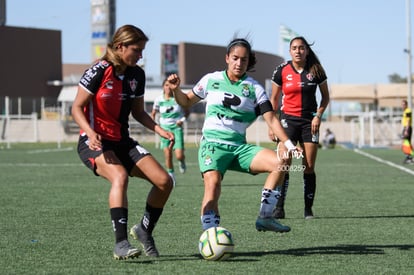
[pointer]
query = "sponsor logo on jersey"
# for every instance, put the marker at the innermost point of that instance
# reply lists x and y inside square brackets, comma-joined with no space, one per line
[109,84]
[199,87]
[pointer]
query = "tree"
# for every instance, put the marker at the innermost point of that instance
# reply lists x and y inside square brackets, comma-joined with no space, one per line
[396,78]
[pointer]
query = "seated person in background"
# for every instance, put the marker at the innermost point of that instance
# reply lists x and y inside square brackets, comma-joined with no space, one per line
[329,140]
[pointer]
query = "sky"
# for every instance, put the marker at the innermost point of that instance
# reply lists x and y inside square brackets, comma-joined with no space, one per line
[357,42]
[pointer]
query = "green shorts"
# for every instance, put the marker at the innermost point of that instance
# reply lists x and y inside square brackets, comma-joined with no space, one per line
[223,157]
[178,136]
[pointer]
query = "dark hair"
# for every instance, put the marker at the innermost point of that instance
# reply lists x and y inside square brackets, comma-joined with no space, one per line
[312,61]
[125,35]
[243,43]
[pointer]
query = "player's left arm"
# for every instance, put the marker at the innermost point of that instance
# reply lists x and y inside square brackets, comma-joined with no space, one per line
[181,121]
[323,88]
[316,121]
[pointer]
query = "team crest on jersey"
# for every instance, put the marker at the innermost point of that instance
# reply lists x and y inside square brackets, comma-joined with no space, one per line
[133,84]
[309,77]
[246,91]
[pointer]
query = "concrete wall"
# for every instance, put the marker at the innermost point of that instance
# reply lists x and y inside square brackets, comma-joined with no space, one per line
[30,58]
[195,60]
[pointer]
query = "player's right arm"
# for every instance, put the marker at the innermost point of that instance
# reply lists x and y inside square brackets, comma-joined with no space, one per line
[274,100]
[185,100]
[81,100]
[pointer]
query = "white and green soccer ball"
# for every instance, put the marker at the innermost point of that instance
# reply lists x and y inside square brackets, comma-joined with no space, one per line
[216,244]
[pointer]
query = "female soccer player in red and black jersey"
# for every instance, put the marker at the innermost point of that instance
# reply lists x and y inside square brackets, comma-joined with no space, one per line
[297,81]
[108,92]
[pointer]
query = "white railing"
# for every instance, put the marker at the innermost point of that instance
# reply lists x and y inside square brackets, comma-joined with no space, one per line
[375,129]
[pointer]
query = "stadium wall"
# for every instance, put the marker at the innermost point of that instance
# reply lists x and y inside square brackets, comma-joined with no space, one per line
[195,60]
[30,58]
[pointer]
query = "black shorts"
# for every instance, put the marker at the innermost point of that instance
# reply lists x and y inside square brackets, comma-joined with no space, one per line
[409,133]
[129,152]
[298,129]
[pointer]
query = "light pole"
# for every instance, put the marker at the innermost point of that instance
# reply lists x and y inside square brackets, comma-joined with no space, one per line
[408,51]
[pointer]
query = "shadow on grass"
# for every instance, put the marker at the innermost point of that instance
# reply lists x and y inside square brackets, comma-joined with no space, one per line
[318,250]
[163,258]
[370,217]
[331,250]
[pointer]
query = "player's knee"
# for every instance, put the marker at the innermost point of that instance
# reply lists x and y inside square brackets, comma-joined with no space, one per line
[120,180]
[165,182]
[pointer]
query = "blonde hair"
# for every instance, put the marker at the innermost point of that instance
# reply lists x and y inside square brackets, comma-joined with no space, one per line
[124,36]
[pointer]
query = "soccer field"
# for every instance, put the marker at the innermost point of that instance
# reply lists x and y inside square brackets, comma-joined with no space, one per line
[55,218]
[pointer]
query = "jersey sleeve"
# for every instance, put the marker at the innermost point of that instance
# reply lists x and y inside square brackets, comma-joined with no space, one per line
[263,102]
[156,105]
[260,92]
[200,89]
[322,80]
[92,77]
[141,82]
[277,74]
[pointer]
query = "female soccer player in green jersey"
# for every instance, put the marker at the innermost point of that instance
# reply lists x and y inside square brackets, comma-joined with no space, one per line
[233,101]
[171,118]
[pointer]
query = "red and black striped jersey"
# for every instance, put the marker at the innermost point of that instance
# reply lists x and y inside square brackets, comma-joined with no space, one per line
[108,111]
[299,90]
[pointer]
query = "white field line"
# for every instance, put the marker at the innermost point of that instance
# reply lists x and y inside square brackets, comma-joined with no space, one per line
[402,168]
[32,164]
[49,150]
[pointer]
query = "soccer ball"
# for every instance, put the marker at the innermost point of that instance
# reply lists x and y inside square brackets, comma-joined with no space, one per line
[216,244]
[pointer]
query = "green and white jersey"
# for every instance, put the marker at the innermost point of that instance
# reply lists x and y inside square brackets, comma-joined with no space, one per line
[170,111]
[230,107]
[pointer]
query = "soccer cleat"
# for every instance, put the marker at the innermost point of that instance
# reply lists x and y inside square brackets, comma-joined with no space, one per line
[270,224]
[146,240]
[279,213]
[124,250]
[308,213]
[408,160]
[182,167]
